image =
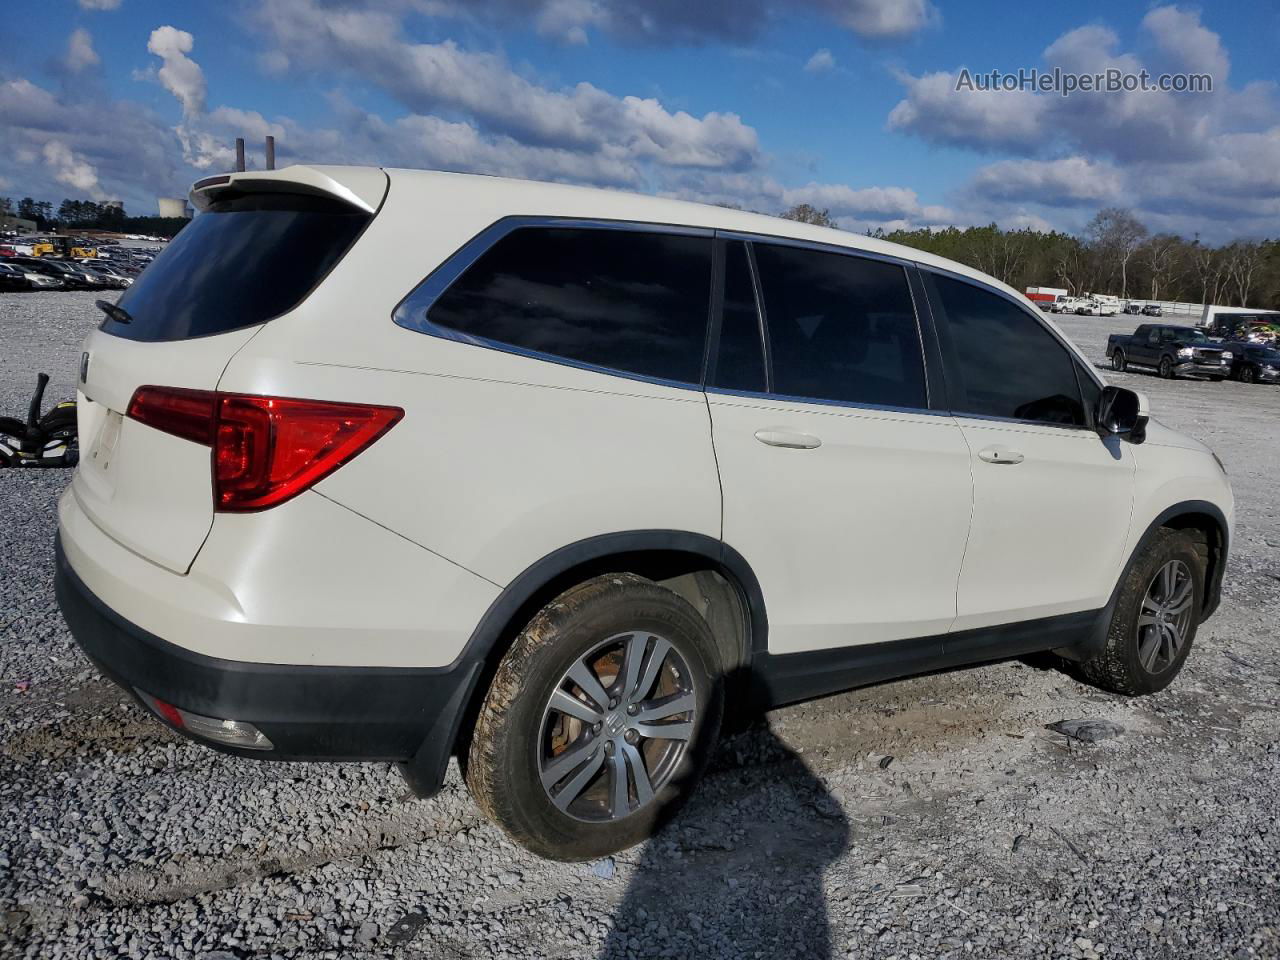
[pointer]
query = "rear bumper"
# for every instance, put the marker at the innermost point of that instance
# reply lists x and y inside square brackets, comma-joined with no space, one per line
[409,714]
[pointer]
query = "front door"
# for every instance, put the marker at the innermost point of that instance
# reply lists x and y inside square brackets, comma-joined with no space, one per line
[1051,499]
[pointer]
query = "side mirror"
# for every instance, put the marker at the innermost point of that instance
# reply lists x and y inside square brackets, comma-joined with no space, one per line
[1122,413]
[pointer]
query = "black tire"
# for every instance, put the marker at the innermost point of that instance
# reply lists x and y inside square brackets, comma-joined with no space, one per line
[505,762]
[1248,375]
[1166,368]
[1118,362]
[1118,667]
[15,430]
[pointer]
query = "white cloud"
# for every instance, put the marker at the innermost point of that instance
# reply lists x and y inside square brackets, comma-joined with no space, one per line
[431,77]
[980,119]
[80,53]
[99,4]
[884,18]
[71,169]
[1071,181]
[180,75]
[821,62]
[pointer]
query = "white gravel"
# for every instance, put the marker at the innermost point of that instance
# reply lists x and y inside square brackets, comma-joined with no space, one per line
[986,835]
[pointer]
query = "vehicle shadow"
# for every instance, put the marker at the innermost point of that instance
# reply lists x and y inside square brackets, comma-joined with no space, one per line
[740,872]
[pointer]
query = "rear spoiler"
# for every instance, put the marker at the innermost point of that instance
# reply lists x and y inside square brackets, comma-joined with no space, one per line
[361,187]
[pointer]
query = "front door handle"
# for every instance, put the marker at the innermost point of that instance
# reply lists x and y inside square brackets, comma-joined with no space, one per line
[999,454]
[786,438]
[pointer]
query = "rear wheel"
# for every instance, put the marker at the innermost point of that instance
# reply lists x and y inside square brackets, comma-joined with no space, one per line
[599,720]
[1166,368]
[1155,619]
[1118,362]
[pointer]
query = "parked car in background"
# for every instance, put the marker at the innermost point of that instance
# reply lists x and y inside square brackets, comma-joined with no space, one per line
[1173,351]
[1133,308]
[1152,310]
[561,495]
[1255,363]
[11,278]
[71,276]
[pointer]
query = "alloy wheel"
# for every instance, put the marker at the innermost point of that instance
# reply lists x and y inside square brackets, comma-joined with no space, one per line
[616,727]
[1165,619]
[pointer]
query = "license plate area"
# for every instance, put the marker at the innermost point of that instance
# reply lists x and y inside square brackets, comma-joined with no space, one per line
[104,446]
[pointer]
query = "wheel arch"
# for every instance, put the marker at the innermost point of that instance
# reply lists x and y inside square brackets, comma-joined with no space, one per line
[1197,515]
[671,557]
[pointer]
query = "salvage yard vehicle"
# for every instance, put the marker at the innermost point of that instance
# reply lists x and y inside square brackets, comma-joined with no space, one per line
[556,483]
[1255,363]
[1173,351]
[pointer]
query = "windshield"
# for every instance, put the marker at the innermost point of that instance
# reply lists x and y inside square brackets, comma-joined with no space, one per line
[243,262]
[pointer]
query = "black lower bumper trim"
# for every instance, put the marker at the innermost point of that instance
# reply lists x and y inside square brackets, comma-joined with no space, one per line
[308,712]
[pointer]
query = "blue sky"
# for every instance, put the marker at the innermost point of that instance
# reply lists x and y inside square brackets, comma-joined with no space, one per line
[847,104]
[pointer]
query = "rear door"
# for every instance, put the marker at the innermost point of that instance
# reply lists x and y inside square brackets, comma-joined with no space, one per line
[253,255]
[845,493]
[1051,498]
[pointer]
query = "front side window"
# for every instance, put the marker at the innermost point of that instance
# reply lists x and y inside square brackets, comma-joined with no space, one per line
[632,301]
[1001,361]
[841,328]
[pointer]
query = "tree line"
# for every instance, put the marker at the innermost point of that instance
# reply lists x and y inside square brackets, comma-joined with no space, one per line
[88,215]
[1116,255]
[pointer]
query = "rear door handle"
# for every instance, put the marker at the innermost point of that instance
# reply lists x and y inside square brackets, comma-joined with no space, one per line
[786,438]
[999,454]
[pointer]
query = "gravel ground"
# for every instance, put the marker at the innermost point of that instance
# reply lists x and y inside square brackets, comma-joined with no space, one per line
[985,835]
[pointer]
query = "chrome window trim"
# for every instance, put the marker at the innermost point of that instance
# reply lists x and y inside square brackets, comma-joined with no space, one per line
[411,312]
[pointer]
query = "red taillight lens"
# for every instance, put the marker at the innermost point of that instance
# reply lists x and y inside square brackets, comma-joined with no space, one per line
[269,449]
[265,449]
[184,413]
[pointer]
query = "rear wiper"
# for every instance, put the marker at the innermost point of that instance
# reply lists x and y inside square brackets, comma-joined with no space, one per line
[117,313]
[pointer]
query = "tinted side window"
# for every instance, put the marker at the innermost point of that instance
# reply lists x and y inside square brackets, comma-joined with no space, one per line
[631,301]
[1003,362]
[740,358]
[840,327]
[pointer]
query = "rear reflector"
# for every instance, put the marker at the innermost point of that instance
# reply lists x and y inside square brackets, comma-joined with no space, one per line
[232,733]
[265,449]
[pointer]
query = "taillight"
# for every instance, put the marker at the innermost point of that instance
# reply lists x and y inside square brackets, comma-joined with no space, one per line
[265,449]
[184,413]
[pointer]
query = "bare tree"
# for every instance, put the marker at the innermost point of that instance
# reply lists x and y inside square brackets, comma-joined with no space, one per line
[1117,233]
[1161,255]
[1242,260]
[808,214]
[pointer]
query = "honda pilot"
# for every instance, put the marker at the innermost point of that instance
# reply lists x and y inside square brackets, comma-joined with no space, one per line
[399,466]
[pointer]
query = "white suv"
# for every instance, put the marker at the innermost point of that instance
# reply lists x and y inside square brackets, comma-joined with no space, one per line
[395,465]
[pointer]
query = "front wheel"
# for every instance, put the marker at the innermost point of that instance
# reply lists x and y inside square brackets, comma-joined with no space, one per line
[599,719]
[1248,375]
[1118,363]
[1166,368]
[1155,619]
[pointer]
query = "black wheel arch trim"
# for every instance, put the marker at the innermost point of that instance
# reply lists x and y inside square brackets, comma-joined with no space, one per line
[1213,579]
[547,577]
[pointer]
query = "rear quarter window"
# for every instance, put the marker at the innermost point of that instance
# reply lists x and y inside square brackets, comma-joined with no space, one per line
[241,263]
[632,301]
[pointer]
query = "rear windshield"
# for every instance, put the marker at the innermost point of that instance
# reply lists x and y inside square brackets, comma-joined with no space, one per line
[241,263]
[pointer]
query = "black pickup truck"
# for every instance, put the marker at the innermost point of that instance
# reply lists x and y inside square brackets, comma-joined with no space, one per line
[1174,351]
